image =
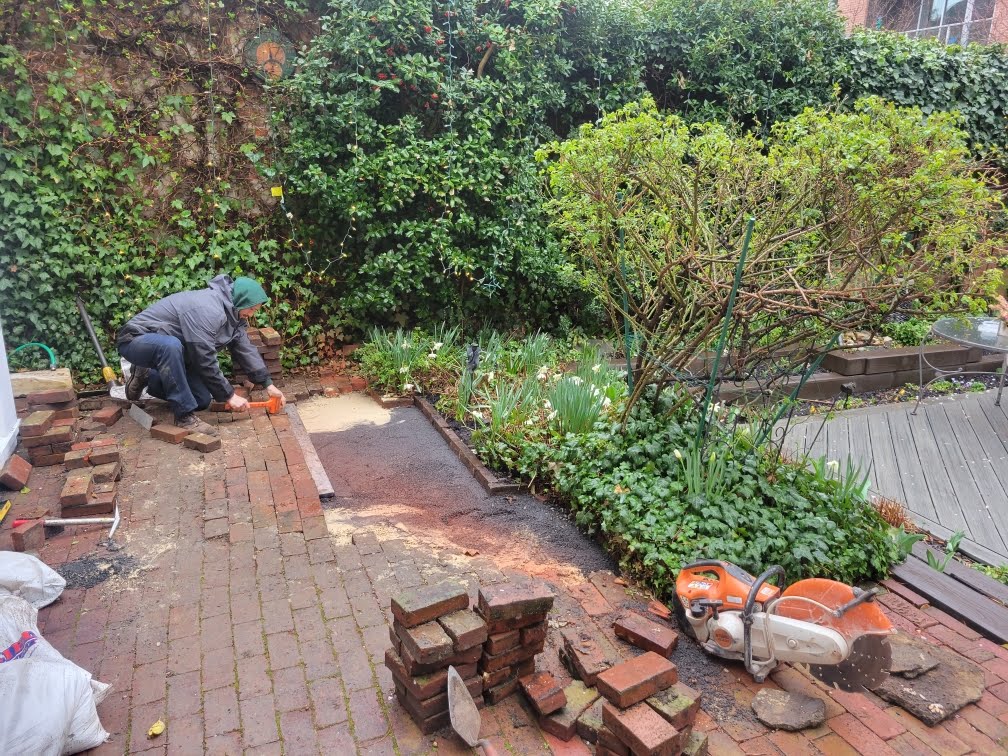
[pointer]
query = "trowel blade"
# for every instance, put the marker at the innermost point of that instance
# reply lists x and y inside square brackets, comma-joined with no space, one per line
[465,717]
[141,417]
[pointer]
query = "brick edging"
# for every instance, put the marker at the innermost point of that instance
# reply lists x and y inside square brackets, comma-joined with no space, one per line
[491,484]
[390,402]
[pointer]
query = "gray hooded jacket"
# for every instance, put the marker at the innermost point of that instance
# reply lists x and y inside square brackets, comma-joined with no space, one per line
[205,321]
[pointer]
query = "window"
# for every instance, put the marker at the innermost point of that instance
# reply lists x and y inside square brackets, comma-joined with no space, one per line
[955,22]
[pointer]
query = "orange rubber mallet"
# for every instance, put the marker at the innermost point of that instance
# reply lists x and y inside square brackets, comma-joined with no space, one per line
[271,405]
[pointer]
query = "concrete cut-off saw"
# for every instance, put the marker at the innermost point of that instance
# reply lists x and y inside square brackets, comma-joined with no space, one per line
[836,630]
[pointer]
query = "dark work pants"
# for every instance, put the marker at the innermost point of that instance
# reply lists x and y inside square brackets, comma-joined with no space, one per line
[184,389]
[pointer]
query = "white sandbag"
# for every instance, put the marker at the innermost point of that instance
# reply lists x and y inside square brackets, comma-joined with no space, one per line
[47,703]
[30,578]
[118,391]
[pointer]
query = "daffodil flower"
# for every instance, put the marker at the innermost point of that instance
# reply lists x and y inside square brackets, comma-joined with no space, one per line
[596,368]
[404,370]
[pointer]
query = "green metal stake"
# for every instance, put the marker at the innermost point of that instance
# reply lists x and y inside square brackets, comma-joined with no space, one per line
[724,327]
[626,320]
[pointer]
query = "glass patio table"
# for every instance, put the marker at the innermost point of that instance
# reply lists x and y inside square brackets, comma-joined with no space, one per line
[989,334]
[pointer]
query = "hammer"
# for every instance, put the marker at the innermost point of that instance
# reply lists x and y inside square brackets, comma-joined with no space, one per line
[271,405]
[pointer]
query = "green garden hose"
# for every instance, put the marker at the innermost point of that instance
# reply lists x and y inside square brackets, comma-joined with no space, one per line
[50,352]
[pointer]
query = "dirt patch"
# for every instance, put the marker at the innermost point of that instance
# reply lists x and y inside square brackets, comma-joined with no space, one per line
[94,569]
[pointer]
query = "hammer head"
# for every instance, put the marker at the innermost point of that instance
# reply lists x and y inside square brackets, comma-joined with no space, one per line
[273,405]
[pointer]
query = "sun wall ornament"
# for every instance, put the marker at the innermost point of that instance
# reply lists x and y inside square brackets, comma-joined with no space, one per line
[270,55]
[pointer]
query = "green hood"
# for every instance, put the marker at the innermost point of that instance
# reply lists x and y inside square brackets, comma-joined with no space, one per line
[247,292]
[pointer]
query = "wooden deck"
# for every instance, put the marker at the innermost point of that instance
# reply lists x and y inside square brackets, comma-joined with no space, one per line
[948,464]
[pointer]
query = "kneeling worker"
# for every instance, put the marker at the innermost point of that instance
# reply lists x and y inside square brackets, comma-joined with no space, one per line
[173,347]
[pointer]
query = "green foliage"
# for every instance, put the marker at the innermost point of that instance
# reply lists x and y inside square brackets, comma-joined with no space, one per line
[936,563]
[749,61]
[909,332]
[625,484]
[79,218]
[924,73]
[406,362]
[999,573]
[409,157]
[904,541]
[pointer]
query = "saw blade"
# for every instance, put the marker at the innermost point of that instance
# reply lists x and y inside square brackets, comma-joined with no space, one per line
[866,667]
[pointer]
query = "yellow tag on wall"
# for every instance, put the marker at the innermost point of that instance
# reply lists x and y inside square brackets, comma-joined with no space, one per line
[276,191]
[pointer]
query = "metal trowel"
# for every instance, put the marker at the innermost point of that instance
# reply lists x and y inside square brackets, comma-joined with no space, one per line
[465,717]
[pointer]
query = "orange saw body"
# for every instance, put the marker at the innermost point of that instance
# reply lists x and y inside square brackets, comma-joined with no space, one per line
[834,629]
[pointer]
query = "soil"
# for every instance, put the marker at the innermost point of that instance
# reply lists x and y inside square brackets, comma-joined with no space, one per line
[897,394]
[95,569]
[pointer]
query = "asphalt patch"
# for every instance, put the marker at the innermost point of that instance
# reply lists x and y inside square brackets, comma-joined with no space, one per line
[92,570]
[704,673]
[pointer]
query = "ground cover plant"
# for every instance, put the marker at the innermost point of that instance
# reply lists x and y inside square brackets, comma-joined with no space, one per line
[553,414]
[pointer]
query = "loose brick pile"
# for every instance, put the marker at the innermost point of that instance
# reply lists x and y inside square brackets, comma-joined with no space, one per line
[48,425]
[433,629]
[93,468]
[515,614]
[268,341]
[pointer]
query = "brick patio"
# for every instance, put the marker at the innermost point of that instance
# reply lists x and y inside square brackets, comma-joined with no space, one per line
[249,624]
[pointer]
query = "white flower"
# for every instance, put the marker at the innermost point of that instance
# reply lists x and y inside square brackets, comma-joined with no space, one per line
[290,215]
[557,376]
[547,404]
[405,345]
[606,402]
[490,377]
[543,372]
[407,387]
[438,345]
[595,391]
[596,368]
[833,465]
[530,422]
[432,356]
[551,415]
[576,380]
[678,454]
[404,370]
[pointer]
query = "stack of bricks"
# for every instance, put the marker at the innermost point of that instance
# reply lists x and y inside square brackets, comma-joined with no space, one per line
[433,629]
[646,710]
[48,434]
[93,468]
[515,615]
[268,341]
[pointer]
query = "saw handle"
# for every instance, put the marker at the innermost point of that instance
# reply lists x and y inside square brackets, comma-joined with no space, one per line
[747,610]
[860,597]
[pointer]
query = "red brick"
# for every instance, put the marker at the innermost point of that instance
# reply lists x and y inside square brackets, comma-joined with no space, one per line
[544,692]
[415,606]
[608,741]
[66,413]
[169,433]
[107,415]
[466,629]
[270,337]
[48,459]
[678,705]
[105,455]
[414,667]
[495,678]
[77,490]
[427,643]
[516,623]
[491,662]
[587,658]
[438,703]
[77,459]
[499,692]
[55,435]
[858,736]
[202,442]
[642,729]
[591,600]
[108,473]
[36,424]
[501,642]
[632,681]
[533,635]
[28,536]
[423,686]
[15,473]
[510,600]
[646,634]
[52,396]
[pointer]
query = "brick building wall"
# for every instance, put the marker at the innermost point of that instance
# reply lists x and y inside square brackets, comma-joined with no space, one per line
[986,21]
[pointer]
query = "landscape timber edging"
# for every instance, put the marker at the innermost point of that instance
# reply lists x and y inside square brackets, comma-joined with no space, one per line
[491,484]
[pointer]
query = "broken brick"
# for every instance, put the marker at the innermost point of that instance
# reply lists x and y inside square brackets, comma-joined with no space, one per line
[15,473]
[415,606]
[509,600]
[678,705]
[643,730]
[52,396]
[466,629]
[564,722]
[630,682]
[427,643]
[646,634]
[501,642]
[28,536]
[36,424]
[170,433]
[543,692]
[584,654]
[202,442]
[77,490]
[107,416]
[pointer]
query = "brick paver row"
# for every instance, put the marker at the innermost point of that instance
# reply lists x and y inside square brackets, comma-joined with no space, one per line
[247,627]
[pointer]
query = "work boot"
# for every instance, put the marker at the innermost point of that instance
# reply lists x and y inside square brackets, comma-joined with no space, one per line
[194,425]
[137,382]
